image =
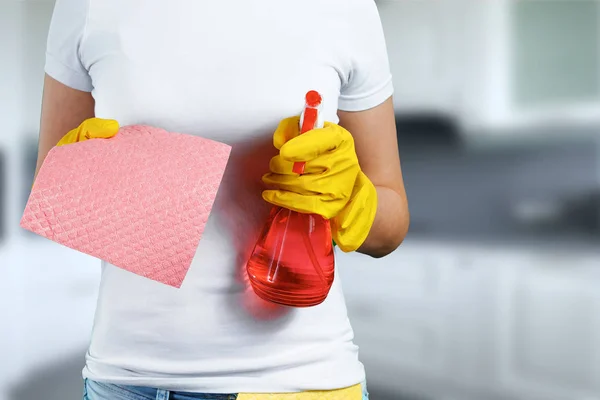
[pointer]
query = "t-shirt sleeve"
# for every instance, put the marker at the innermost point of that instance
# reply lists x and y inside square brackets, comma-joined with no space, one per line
[67,31]
[369,80]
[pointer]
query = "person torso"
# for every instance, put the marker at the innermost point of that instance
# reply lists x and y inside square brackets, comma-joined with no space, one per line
[228,71]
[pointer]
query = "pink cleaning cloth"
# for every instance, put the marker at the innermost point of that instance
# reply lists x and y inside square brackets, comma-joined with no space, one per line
[139,200]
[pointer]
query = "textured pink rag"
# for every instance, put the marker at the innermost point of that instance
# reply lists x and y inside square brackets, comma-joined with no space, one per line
[139,200]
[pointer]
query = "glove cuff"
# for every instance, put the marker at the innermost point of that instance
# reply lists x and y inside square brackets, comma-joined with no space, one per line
[352,225]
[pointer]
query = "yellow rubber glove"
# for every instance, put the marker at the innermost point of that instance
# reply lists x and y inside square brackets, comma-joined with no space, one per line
[92,128]
[351,393]
[332,185]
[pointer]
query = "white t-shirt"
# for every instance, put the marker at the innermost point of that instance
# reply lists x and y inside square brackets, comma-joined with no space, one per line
[229,71]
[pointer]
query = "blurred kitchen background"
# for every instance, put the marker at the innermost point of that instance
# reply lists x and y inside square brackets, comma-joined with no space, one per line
[496,292]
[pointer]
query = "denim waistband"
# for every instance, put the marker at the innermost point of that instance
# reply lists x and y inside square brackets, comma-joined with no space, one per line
[94,390]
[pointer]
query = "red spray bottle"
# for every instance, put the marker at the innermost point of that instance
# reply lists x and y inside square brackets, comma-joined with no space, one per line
[293,261]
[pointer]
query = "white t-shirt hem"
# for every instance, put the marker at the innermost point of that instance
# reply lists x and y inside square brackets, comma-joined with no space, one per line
[67,76]
[369,100]
[266,382]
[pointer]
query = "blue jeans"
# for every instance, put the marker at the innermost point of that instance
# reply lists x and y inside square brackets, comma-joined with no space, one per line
[93,390]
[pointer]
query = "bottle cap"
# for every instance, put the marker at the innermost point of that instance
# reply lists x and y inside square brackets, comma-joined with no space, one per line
[313,99]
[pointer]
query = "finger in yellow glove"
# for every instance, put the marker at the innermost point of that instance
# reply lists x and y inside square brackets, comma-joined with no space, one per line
[332,185]
[92,128]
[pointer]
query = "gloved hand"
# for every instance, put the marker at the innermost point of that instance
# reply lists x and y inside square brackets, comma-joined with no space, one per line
[92,128]
[332,185]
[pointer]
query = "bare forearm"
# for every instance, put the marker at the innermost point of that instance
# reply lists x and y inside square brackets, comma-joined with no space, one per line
[63,109]
[390,225]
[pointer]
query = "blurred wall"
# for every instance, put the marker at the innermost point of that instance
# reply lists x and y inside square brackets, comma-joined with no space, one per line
[556,51]
[46,312]
[475,304]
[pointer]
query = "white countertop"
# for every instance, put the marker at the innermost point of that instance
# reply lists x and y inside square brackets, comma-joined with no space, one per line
[47,297]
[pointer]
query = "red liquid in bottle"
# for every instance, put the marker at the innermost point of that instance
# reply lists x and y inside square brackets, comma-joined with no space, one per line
[293,262]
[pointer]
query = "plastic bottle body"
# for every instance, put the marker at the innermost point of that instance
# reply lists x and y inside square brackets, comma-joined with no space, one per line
[293,262]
